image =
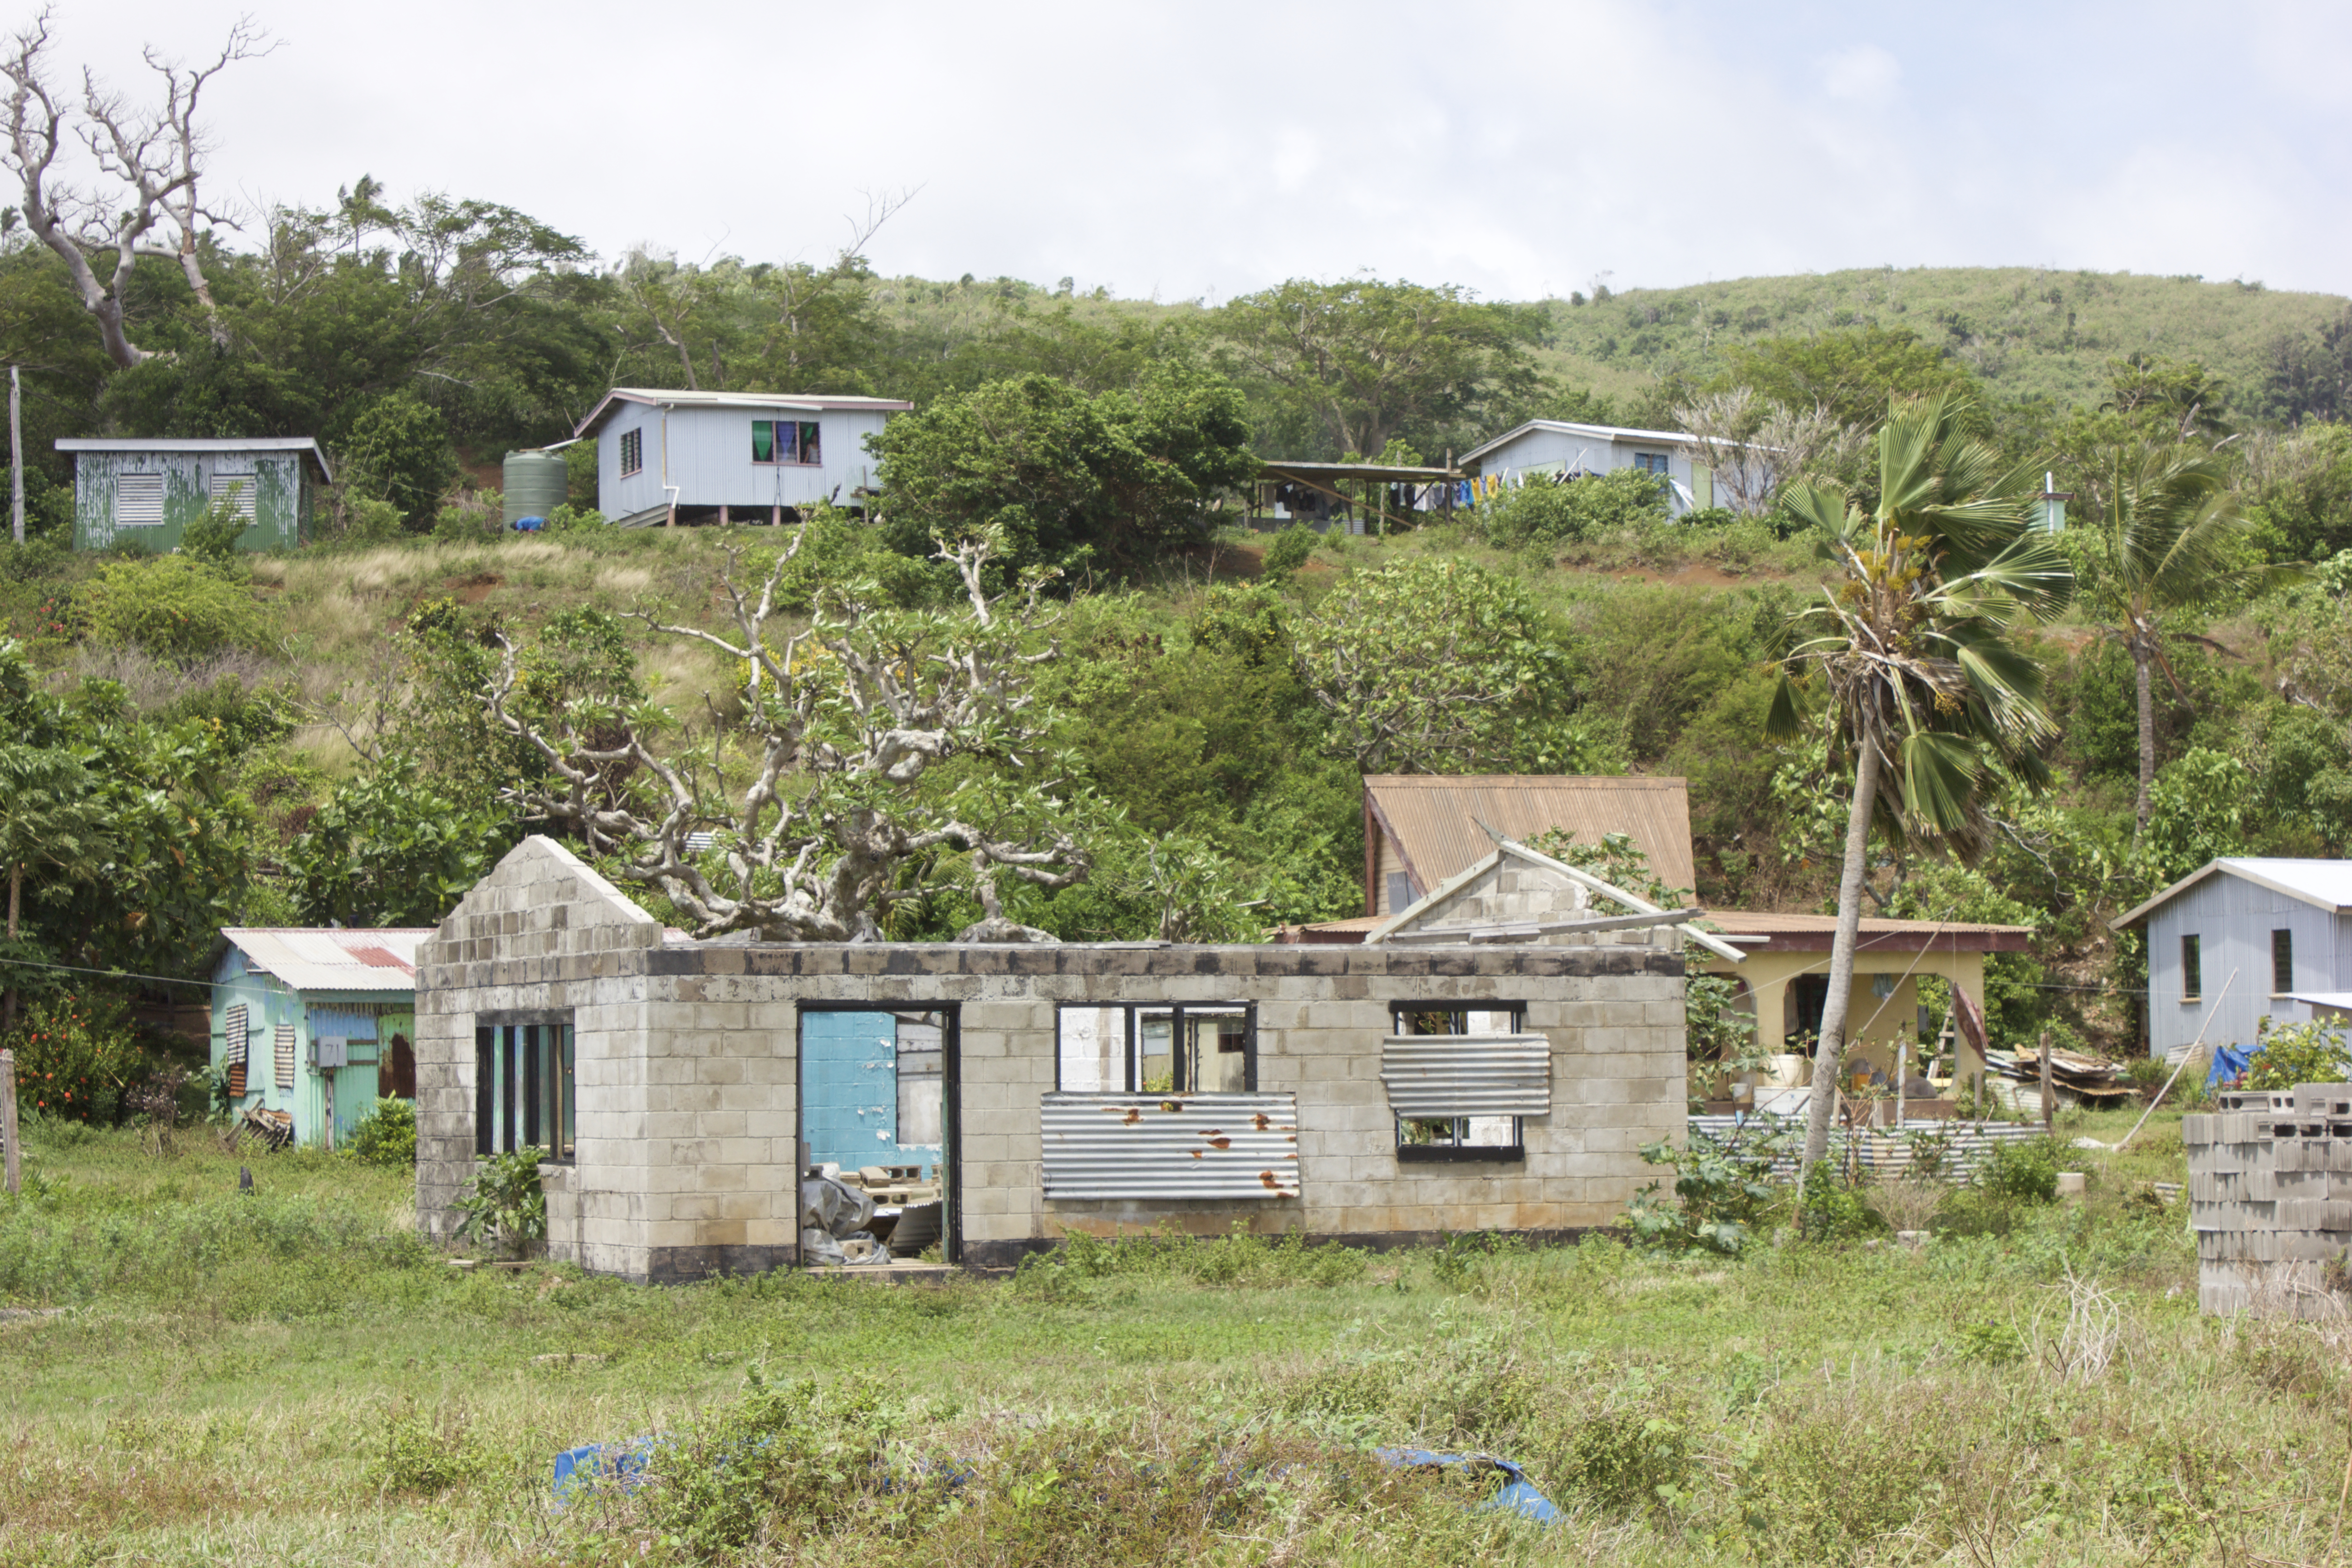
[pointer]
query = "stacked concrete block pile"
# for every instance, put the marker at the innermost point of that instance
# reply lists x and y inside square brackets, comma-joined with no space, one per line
[2270,1196]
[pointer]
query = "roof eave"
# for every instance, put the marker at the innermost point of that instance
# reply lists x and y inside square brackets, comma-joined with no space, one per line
[2236,868]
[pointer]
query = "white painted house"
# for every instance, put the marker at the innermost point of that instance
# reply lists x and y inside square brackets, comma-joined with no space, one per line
[669,457]
[1548,449]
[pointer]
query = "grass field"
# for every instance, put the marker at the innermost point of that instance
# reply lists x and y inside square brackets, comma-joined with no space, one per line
[188,1375]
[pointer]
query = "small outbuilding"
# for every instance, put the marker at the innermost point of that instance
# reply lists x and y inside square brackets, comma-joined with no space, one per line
[666,458]
[2243,939]
[147,492]
[316,1024]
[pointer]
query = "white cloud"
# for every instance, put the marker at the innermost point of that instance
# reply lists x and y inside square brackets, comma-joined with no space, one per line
[1863,74]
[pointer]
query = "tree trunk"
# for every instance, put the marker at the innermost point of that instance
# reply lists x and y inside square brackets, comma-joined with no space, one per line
[2143,652]
[1831,1045]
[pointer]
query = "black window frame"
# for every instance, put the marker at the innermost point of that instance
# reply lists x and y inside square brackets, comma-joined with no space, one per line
[544,1114]
[2282,962]
[632,451]
[1458,1151]
[1131,1055]
[2192,967]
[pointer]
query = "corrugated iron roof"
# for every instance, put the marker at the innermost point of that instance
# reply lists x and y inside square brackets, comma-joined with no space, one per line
[303,445]
[1575,427]
[1434,822]
[811,402]
[1805,932]
[332,958]
[2326,883]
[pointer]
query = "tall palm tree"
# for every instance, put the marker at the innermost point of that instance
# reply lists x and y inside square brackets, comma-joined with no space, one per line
[1909,653]
[2166,533]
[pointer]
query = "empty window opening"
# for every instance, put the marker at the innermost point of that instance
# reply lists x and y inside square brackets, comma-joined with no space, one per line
[1400,892]
[2192,970]
[139,500]
[632,452]
[1208,1049]
[1459,1137]
[2282,962]
[523,1088]
[785,441]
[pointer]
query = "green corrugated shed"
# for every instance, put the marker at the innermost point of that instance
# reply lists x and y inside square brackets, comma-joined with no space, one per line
[146,492]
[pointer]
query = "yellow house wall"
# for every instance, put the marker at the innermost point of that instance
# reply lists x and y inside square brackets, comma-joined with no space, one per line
[1872,1025]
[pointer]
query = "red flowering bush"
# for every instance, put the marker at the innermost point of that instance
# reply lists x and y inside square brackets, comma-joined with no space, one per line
[73,1053]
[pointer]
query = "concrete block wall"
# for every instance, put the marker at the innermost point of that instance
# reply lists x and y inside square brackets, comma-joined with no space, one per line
[1511,890]
[686,1054]
[2270,1197]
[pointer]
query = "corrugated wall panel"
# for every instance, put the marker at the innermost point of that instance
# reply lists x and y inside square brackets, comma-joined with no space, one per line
[1467,1075]
[1883,1151]
[1174,1146]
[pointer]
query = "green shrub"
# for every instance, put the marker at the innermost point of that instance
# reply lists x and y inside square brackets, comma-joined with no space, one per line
[2310,1052]
[398,449]
[504,1205]
[2023,1171]
[425,1457]
[1830,1208]
[73,1053]
[1572,514]
[566,517]
[386,1135]
[1288,552]
[1722,1192]
[211,538]
[1635,1454]
[174,606]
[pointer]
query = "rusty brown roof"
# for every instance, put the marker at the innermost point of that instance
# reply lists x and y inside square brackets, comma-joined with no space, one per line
[1434,822]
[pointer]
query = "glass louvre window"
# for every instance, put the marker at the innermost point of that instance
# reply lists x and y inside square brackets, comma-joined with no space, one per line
[1459,1137]
[2192,969]
[523,1095]
[1206,1049]
[2282,962]
[632,451]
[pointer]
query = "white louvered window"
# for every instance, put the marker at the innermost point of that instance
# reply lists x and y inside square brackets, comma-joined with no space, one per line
[285,1062]
[243,485]
[139,500]
[235,1031]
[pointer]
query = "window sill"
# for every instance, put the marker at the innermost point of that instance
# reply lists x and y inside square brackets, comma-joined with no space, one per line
[773,463]
[2191,1001]
[1459,1155]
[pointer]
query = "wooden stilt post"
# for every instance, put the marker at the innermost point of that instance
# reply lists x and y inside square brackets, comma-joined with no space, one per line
[16,1165]
[2049,1096]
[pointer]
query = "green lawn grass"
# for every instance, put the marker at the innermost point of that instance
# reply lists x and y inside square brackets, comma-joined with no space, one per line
[191,1375]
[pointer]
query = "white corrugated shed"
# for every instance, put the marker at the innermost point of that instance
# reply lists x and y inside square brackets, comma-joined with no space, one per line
[332,958]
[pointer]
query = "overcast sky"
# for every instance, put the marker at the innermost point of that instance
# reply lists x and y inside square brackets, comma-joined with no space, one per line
[1208,148]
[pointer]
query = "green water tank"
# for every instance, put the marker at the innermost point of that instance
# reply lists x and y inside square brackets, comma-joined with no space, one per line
[536,484]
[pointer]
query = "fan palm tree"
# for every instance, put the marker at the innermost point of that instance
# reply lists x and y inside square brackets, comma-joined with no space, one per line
[1908,654]
[2166,533]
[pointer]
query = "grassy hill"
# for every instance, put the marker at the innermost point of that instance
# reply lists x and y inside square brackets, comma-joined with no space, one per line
[2027,332]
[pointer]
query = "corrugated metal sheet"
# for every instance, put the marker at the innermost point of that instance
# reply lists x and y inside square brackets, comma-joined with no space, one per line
[1883,1149]
[334,960]
[1467,1075]
[1435,821]
[1171,1146]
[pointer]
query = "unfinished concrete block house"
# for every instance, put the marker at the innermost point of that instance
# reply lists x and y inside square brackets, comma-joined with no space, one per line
[1376,1093]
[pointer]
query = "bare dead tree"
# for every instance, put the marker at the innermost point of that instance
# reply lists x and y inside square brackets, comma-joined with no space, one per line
[157,155]
[1753,447]
[839,819]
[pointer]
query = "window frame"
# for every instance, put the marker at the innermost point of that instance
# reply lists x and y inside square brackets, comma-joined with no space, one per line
[632,451]
[2192,967]
[1658,463]
[2283,962]
[532,1043]
[161,495]
[806,433]
[1458,1152]
[248,487]
[1132,1053]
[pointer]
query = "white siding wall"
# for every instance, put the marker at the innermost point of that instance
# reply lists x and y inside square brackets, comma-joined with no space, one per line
[1597,454]
[2233,920]
[706,453]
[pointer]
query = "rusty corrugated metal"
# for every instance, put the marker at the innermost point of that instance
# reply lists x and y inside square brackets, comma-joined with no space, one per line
[1435,821]
[1171,1146]
[333,959]
[1467,1075]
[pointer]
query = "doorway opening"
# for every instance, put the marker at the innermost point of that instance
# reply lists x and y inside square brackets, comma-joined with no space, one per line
[878,1135]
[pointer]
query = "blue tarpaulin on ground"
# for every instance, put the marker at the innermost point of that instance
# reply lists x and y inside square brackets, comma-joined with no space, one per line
[1519,1497]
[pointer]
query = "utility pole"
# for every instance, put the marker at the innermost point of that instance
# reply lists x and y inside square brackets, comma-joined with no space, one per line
[16,458]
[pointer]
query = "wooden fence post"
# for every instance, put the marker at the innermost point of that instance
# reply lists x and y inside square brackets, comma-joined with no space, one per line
[8,1121]
[2049,1096]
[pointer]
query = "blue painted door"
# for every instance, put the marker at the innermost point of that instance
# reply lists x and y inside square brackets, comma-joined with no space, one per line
[849,1087]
